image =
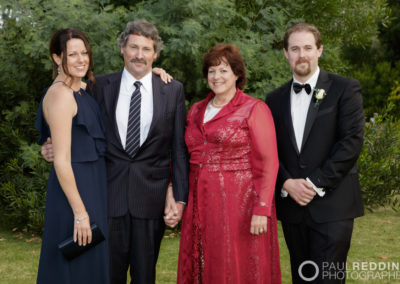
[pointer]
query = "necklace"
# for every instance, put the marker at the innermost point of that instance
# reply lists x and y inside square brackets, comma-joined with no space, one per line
[55,82]
[217,105]
[79,91]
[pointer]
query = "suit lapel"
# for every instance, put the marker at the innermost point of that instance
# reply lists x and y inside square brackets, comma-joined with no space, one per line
[287,114]
[111,93]
[159,104]
[323,83]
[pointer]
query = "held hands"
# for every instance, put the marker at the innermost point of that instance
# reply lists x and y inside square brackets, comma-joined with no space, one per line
[258,225]
[165,77]
[300,190]
[82,231]
[47,150]
[173,210]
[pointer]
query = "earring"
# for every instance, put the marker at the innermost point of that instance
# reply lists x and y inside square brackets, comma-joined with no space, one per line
[58,69]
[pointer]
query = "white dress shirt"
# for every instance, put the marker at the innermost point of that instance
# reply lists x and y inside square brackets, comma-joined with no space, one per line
[299,104]
[124,99]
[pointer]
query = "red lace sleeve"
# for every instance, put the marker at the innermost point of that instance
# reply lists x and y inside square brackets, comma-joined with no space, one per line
[264,157]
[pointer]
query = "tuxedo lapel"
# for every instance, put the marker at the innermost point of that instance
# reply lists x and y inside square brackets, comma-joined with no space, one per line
[287,116]
[323,83]
[111,92]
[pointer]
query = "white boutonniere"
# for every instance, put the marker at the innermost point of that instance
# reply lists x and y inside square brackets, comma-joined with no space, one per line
[319,95]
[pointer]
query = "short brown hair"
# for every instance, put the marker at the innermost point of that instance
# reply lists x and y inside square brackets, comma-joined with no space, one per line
[143,28]
[58,46]
[234,58]
[301,27]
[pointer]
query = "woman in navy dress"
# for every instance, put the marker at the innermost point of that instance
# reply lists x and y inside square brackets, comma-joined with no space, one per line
[77,190]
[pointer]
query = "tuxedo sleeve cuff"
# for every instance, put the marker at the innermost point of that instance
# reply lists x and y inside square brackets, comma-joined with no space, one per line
[319,190]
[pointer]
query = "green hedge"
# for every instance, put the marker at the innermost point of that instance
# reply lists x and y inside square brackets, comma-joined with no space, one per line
[379,162]
[22,195]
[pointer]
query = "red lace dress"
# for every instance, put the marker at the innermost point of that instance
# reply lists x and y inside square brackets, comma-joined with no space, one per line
[233,167]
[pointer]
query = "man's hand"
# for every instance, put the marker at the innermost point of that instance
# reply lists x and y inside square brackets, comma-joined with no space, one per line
[47,150]
[165,77]
[173,210]
[300,190]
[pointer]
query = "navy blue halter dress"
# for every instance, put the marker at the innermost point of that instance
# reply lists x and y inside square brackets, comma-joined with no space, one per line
[87,150]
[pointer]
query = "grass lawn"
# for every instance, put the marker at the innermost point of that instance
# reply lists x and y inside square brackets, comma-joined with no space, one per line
[376,239]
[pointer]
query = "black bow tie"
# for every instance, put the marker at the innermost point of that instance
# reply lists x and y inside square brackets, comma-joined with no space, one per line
[297,88]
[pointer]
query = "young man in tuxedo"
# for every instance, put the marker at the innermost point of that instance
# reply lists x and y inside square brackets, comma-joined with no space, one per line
[319,123]
[144,120]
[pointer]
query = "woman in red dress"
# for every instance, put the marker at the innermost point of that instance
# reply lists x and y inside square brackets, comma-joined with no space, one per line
[229,230]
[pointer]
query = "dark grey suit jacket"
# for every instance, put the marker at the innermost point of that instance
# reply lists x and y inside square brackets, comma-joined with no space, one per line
[139,185]
[331,144]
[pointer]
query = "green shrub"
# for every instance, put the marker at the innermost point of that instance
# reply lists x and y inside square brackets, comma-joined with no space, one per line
[379,162]
[378,85]
[22,195]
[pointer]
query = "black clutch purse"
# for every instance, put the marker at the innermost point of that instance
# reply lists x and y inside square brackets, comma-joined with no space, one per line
[70,249]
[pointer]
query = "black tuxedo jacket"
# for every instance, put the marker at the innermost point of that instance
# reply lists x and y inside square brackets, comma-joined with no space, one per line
[139,185]
[332,142]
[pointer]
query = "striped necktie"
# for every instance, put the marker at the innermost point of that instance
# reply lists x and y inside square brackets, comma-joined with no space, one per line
[133,132]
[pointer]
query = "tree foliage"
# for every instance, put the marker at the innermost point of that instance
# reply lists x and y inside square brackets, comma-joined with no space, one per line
[390,34]
[379,163]
[377,63]
[23,191]
[188,27]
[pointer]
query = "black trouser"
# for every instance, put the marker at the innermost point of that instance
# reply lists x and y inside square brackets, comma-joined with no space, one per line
[322,245]
[136,243]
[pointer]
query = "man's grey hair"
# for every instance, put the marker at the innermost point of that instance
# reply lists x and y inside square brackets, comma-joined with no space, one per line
[144,28]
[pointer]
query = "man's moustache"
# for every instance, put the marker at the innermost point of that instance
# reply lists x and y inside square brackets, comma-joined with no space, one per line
[302,60]
[138,60]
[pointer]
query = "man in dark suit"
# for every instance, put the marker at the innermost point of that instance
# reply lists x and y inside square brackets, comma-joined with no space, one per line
[138,180]
[319,125]
[145,123]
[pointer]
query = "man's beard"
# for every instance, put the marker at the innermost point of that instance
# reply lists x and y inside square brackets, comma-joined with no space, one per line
[302,72]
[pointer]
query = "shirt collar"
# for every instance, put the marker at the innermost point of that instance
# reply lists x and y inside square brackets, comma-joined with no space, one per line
[312,81]
[129,80]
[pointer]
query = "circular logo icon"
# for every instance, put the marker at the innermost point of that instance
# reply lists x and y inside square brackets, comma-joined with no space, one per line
[301,270]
